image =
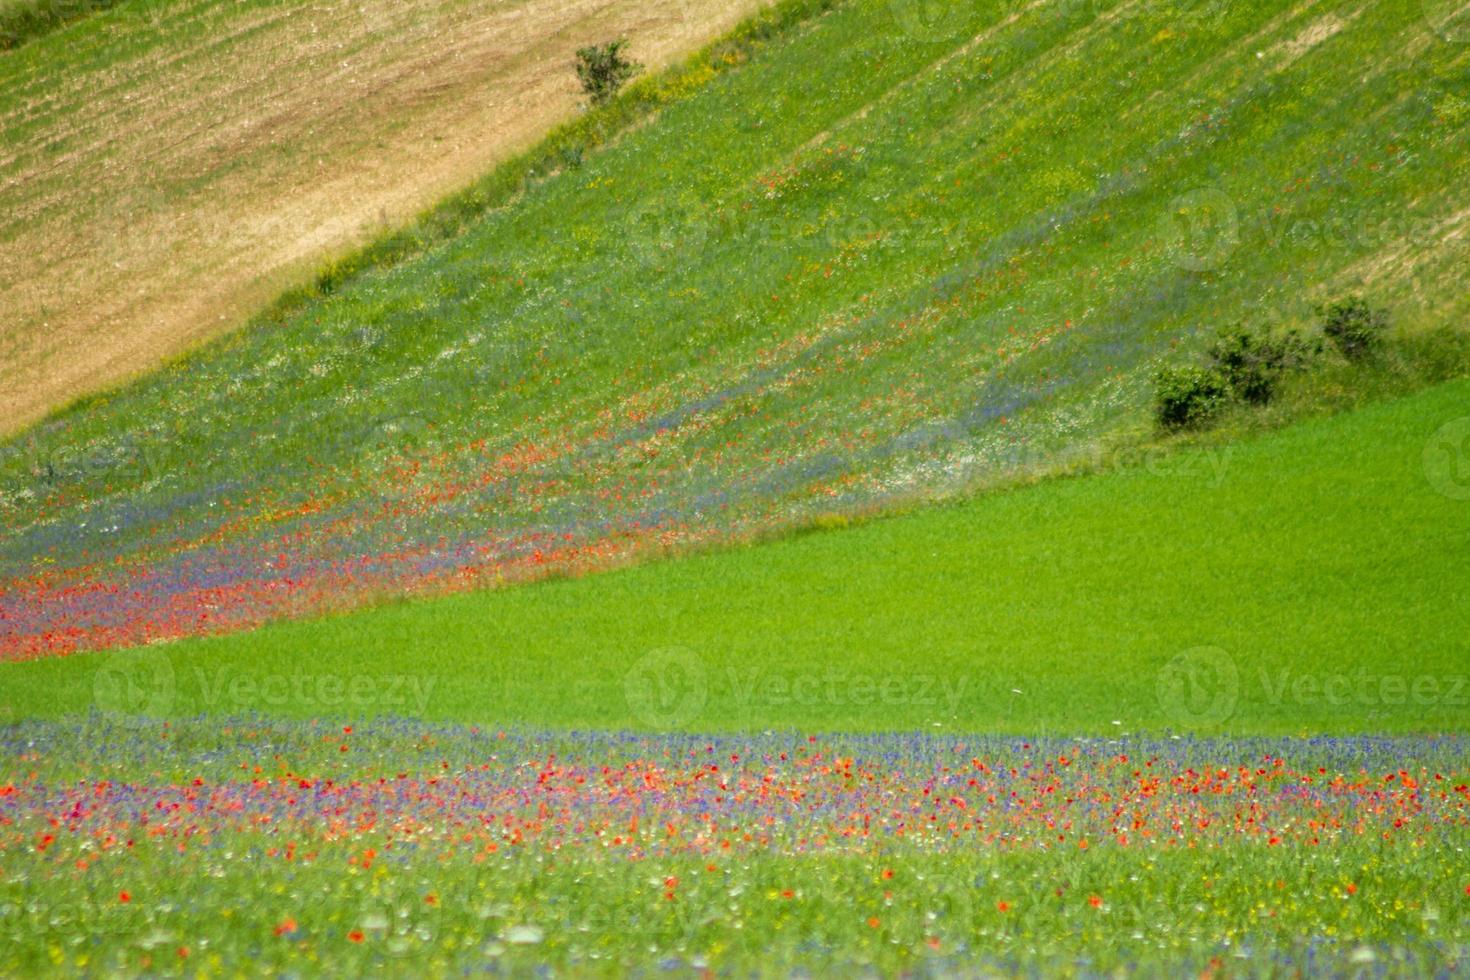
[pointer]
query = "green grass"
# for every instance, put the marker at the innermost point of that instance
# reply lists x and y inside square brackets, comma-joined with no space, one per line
[1311,580]
[25,20]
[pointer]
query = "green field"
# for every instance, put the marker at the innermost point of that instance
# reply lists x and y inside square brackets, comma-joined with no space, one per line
[1312,578]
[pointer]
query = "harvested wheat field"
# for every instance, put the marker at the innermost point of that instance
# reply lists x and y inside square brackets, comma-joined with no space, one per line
[156,191]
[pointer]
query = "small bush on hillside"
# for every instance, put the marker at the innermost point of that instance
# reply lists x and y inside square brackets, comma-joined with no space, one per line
[1249,366]
[1252,364]
[1188,397]
[332,275]
[571,157]
[1354,327]
[603,69]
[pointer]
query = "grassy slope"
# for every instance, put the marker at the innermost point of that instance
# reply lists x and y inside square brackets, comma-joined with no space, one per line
[26,20]
[1320,551]
[947,258]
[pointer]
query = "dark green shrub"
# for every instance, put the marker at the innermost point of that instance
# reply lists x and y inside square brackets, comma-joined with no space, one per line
[1188,397]
[1252,364]
[571,157]
[603,69]
[1354,327]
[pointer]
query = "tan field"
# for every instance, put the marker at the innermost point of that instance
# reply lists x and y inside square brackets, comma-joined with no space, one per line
[161,184]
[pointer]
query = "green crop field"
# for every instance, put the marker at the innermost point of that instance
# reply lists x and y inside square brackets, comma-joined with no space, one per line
[745,534]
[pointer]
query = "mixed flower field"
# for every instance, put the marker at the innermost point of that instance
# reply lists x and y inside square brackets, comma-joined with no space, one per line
[249,845]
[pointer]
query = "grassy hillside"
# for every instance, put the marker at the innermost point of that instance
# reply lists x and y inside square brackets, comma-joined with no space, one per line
[26,20]
[958,252]
[1307,581]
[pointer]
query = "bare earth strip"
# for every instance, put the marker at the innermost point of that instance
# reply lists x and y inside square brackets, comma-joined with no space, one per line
[160,184]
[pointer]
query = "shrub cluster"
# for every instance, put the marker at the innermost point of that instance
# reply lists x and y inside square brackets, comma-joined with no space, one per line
[1188,397]
[602,70]
[1354,327]
[1247,366]
[1251,365]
